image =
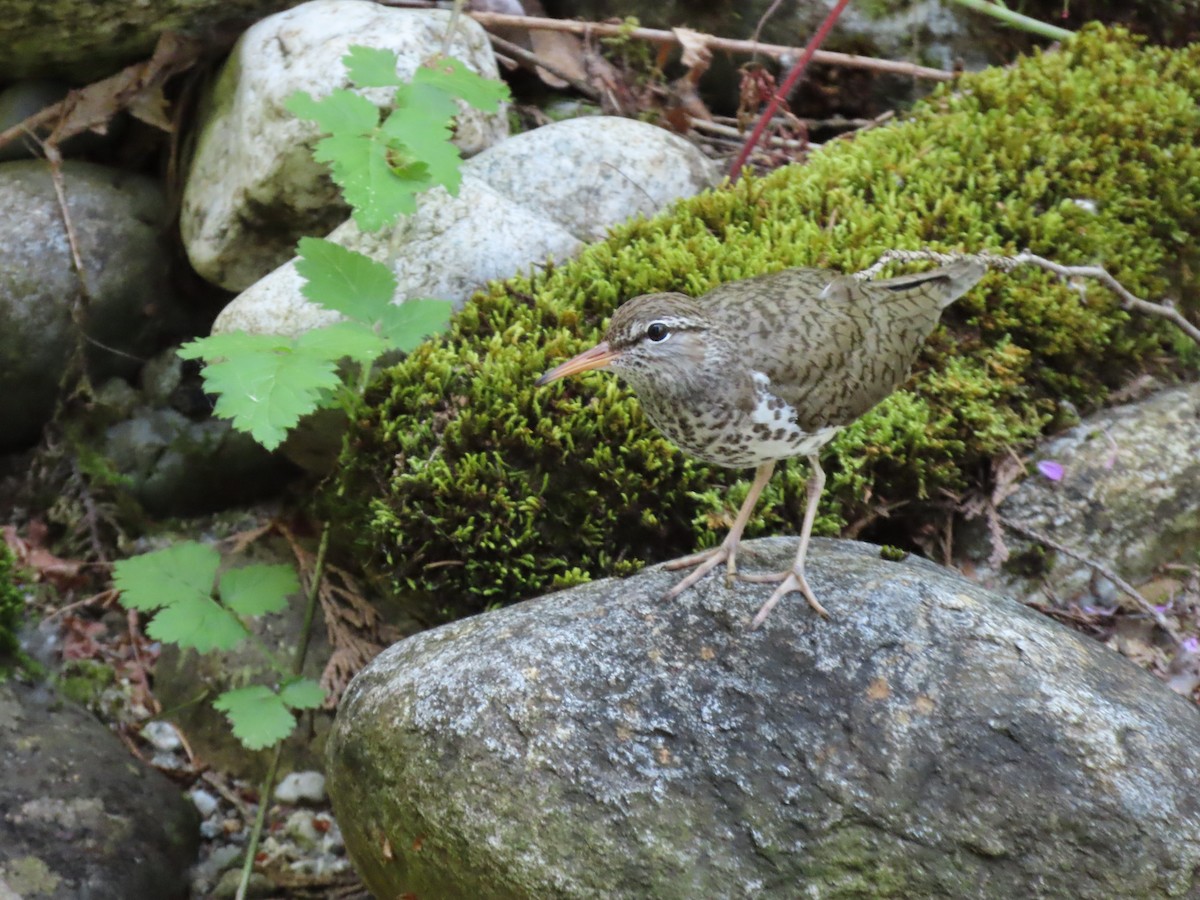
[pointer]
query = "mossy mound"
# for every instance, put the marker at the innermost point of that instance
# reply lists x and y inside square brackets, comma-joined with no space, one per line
[465,485]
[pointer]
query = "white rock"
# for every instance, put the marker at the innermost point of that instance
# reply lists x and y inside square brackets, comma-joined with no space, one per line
[253,188]
[298,787]
[162,736]
[537,195]
[590,173]
[205,803]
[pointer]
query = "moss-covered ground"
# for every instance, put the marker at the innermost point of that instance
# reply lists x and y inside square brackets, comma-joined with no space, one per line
[465,485]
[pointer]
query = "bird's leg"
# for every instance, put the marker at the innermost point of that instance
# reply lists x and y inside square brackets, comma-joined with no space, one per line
[793,579]
[725,552]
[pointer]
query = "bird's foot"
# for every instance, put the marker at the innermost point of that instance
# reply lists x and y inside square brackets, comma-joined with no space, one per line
[704,561]
[790,580]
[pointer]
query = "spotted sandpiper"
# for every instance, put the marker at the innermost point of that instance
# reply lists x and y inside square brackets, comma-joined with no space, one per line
[767,368]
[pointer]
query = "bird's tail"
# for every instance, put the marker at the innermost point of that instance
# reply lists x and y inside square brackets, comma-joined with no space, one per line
[947,283]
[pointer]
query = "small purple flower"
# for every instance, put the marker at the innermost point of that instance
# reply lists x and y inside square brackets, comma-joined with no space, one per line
[1191,644]
[1051,469]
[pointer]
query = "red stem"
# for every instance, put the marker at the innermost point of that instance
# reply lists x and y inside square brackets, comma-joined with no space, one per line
[779,95]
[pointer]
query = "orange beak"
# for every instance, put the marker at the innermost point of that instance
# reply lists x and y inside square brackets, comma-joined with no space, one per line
[596,358]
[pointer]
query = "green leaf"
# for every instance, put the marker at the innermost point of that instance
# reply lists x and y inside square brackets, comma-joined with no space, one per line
[258,716]
[198,622]
[406,325]
[356,340]
[180,573]
[341,112]
[421,124]
[217,346]
[343,280]
[302,693]
[372,67]
[254,590]
[266,389]
[455,78]
[361,169]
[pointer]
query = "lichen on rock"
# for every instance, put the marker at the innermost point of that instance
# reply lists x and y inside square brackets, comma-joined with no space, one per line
[467,486]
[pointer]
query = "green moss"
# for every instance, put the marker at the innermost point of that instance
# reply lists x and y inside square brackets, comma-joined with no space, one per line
[84,681]
[464,484]
[12,608]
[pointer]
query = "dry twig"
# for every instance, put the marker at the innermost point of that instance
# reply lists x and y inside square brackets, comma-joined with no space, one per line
[1163,309]
[1124,586]
[657,36]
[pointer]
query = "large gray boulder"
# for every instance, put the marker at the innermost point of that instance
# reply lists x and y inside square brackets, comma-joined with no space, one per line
[79,816]
[119,221]
[931,739]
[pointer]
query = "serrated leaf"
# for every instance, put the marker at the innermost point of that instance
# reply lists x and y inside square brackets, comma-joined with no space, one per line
[200,623]
[258,589]
[372,67]
[421,123]
[258,716]
[359,166]
[183,572]
[406,325]
[424,105]
[341,112]
[455,78]
[303,693]
[265,394]
[343,280]
[219,346]
[356,340]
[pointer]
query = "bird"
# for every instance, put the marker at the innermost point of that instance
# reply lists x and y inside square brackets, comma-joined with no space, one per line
[768,368]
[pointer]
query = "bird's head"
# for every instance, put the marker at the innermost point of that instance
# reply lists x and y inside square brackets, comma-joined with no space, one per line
[655,340]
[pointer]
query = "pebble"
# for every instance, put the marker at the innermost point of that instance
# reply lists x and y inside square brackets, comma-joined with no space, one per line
[205,803]
[162,736]
[299,787]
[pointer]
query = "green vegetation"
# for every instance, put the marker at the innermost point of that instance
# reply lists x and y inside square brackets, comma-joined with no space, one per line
[467,486]
[12,609]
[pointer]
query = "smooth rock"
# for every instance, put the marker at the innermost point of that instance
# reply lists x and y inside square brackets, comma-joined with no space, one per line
[119,221]
[301,787]
[1129,498]
[80,816]
[536,195]
[253,188]
[931,739]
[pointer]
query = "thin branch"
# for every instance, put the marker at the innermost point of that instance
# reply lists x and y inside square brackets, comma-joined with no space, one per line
[654,35]
[532,59]
[1163,309]
[1146,606]
[793,76]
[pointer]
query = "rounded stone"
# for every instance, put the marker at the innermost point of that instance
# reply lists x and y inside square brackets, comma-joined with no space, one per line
[930,739]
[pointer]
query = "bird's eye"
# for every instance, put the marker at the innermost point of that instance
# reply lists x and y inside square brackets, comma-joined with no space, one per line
[657,332]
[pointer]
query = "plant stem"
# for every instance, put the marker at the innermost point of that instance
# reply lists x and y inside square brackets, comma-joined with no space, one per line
[1025,23]
[778,97]
[268,785]
[264,800]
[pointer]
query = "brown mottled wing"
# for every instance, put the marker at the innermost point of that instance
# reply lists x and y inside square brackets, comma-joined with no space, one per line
[832,346]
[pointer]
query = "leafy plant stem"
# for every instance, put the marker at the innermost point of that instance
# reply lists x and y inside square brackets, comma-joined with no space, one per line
[264,800]
[1009,17]
[268,785]
[310,610]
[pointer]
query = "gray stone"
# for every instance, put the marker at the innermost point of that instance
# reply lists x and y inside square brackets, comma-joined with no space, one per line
[84,42]
[79,816]
[118,220]
[930,739]
[253,188]
[1129,498]
[301,787]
